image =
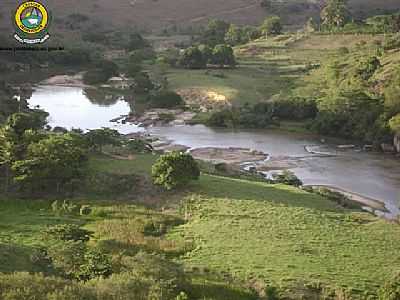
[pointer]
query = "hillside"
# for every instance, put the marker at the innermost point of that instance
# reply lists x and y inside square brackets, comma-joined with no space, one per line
[242,238]
[156,15]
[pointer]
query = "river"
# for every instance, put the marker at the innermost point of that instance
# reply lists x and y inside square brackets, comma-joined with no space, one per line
[373,175]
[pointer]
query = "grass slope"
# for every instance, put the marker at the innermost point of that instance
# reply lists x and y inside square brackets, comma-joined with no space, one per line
[250,230]
[283,235]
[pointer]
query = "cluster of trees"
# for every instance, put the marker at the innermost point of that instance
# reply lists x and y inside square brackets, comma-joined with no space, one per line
[36,161]
[335,16]
[199,57]
[349,107]
[220,32]
[263,115]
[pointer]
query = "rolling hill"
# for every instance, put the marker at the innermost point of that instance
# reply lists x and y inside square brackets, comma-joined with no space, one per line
[154,15]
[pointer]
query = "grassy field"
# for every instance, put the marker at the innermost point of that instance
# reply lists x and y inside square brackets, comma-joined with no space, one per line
[250,231]
[285,236]
[139,164]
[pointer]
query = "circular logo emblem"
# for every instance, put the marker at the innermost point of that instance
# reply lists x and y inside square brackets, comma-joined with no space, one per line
[32,18]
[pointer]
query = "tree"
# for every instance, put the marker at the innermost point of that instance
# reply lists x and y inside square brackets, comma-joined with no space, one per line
[207,53]
[394,123]
[250,33]
[98,138]
[271,26]
[348,113]
[192,58]
[51,162]
[223,56]
[143,83]
[335,14]
[311,26]
[133,69]
[104,70]
[136,41]
[235,36]
[174,170]
[15,136]
[215,32]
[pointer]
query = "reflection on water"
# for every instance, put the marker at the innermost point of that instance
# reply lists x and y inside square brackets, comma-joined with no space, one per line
[100,98]
[72,107]
[373,175]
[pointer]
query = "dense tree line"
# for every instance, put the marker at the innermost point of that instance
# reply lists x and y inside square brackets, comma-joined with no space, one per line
[199,57]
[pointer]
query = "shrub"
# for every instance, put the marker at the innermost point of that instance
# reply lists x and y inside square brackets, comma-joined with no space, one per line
[295,109]
[95,76]
[143,83]
[19,286]
[223,118]
[287,177]
[111,183]
[104,70]
[166,99]
[138,146]
[223,55]
[272,25]
[192,58]
[175,170]
[68,232]
[391,289]
[96,264]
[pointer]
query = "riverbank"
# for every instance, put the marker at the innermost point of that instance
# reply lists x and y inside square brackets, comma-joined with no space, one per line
[66,81]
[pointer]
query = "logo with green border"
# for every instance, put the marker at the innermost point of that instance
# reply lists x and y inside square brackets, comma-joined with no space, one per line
[32,20]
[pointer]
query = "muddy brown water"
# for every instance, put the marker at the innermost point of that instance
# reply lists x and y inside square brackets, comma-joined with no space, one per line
[373,175]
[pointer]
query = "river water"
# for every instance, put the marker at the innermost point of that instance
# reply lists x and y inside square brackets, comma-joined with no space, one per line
[373,175]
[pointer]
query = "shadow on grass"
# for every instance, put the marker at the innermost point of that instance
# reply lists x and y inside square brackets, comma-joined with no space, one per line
[14,258]
[219,292]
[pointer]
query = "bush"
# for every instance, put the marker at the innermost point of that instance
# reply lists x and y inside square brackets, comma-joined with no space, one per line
[143,83]
[96,264]
[111,183]
[295,109]
[68,232]
[287,177]
[138,146]
[19,286]
[272,25]
[104,70]
[175,170]
[223,118]
[391,289]
[166,99]
[192,58]
[95,76]
[223,55]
